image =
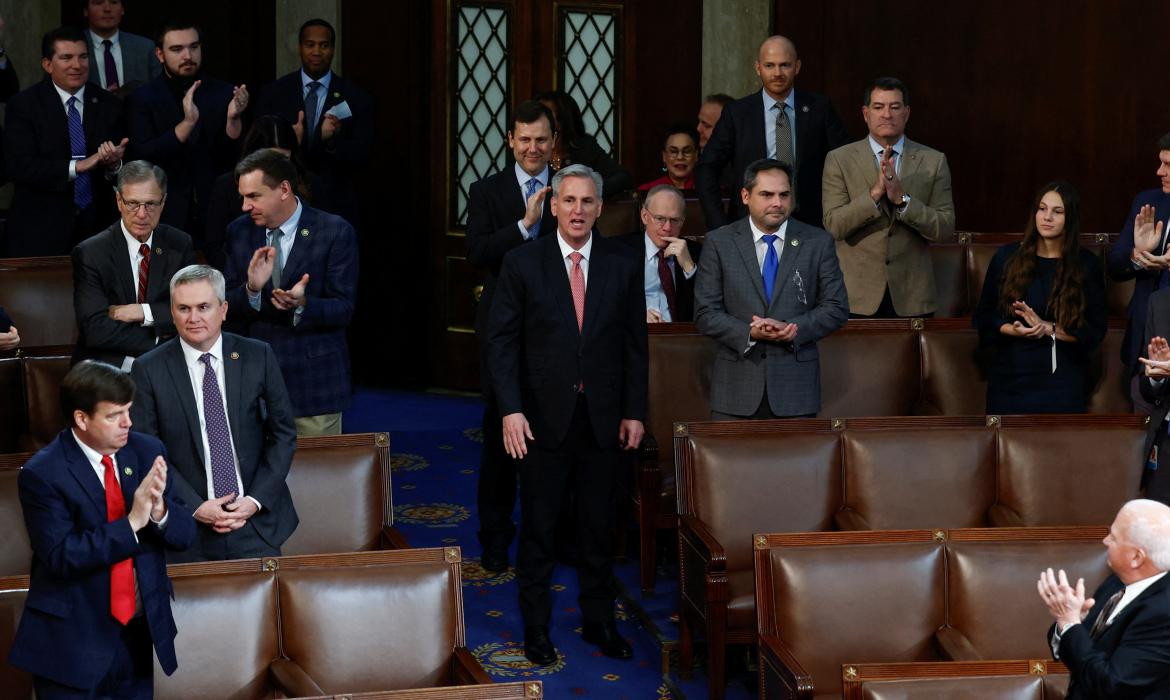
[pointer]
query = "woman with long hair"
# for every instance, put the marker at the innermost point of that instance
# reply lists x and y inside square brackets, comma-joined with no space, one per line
[1042,312]
[572,145]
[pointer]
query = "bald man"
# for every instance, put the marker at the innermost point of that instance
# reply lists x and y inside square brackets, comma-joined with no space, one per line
[1117,643]
[780,122]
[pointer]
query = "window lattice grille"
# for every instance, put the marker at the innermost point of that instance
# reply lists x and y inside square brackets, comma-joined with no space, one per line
[589,71]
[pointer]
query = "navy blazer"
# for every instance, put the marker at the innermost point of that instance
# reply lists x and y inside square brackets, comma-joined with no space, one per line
[313,354]
[738,140]
[102,277]
[1145,282]
[66,632]
[152,111]
[36,158]
[259,415]
[537,355]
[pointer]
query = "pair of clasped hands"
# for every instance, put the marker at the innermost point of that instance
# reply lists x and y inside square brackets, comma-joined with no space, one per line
[769,329]
[1030,324]
[148,503]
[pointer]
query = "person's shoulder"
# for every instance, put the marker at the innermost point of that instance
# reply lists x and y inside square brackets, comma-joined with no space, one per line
[923,150]
[129,40]
[48,457]
[493,181]
[155,356]
[243,344]
[172,236]
[144,444]
[324,221]
[87,246]
[811,234]
[345,89]
[1006,250]
[32,95]
[1152,196]
[858,146]
[148,92]
[812,100]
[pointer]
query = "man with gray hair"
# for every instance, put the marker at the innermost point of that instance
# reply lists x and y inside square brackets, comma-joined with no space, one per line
[568,362]
[1117,643]
[120,275]
[669,263]
[218,402]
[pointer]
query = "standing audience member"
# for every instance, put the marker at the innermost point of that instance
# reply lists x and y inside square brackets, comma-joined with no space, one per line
[333,116]
[219,402]
[886,198]
[122,61]
[292,277]
[575,147]
[793,126]
[1140,254]
[1117,643]
[569,367]
[9,81]
[1155,364]
[1042,312]
[101,505]
[709,113]
[504,211]
[768,289]
[9,335]
[121,275]
[62,139]
[680,152]
[669,263]
[187,123]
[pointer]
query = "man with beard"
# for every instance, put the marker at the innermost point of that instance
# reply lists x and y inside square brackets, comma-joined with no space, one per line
[186,123]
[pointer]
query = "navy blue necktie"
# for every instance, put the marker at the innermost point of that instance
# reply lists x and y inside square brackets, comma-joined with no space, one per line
[223,463]
[533,186]
[311,102]
[771,266]
[82,192]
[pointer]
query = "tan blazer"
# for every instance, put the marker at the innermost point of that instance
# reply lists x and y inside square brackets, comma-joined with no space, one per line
[877,246]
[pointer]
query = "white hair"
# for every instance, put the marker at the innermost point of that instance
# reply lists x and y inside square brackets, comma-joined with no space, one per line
[1148,528]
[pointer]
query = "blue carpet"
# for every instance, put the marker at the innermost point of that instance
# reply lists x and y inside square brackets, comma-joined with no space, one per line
[434,442]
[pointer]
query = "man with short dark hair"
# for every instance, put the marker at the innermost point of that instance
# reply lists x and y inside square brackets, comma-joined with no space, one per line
[292,275]
[768,289]
[120,276]
[505,210]
[669,262]
[62,138]
[709,113]
[218,400]
[334,116]
[100,506]
[121,61]
[187,123]
[886,199]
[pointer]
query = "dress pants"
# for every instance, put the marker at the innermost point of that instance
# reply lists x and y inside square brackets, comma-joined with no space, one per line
[209,545]
[496,491]
[581,467]
[131,675]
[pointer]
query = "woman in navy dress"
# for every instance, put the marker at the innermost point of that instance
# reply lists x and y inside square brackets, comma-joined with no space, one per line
[1042,312]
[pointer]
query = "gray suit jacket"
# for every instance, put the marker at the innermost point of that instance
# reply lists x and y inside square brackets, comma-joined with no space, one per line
[139,64]
[729,290]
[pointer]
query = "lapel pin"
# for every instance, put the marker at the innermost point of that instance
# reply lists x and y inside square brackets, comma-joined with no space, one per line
[804,109]
[336,95]
[795,242]
[158,251]
[304,233]
[235,355]
[93,100]
[127,471]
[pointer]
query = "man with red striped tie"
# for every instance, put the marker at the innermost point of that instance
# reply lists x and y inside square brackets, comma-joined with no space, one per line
[99,511]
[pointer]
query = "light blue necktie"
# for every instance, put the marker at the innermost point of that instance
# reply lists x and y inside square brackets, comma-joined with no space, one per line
[82,191]
[771,266]
[532,186]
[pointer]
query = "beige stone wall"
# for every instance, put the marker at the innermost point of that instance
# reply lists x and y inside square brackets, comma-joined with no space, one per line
[732,33]
[290,14]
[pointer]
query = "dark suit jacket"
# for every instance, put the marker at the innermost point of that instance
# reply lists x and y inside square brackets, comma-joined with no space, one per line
[1157,323]
[102,277]
[684,289]
[729,289]
[152,111]
[37,154]
[258,412]
[340,160]
[66,633]
[538,356]
[139,64]
[313,354]
[738,140]
[1145,282]
[1131,658]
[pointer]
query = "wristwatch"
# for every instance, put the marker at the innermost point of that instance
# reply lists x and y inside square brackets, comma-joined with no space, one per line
[905,201]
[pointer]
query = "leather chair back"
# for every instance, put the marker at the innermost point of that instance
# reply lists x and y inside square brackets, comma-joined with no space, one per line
[516,690]
[16,683]
[13,419]
[1117,296]
[38,295]
[979,256]
[619,216]
[695,226]
[15,550]
[869,373]
[1056,686]
[1111,394]
[977,688]
[952,383]
[950,280]
[42,392]
[680,384]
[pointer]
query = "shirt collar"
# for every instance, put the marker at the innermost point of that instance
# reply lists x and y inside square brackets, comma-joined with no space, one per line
[651,249]
[192,355]
[758,233]
[290,224]
[523,177]
[97,40]
[789,101]
[80,94]
[91,454]
[324,80]
[132,243]
[876,147]
[1136,588]
[566,249]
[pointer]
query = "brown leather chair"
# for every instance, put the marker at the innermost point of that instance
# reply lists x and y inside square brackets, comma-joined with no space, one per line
[15,550]
[1066,470]
[950,278]
[979,254]
[870,368]
[1117,296]
[16,684]
[695,226]
[13,417]
[516,690]
[38,295]
[952,381]
[736,479]
[619,215]
[42,395]
[1111,394]
[990,680]
[351,469]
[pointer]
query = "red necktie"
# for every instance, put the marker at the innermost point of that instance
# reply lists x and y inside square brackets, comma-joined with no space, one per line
[121,573]
[667,282]
[143,272]
[577,284]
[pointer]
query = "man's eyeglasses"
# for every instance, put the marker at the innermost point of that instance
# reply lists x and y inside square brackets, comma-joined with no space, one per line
[681,152]
[661,220]
[151,207]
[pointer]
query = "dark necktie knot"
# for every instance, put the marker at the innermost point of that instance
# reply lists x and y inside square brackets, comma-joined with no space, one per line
[144,250]
[107,43]
[205,358]
[313,85]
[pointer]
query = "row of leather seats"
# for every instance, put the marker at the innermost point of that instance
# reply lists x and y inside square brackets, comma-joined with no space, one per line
[869,475]
[1034,679]
[30,403]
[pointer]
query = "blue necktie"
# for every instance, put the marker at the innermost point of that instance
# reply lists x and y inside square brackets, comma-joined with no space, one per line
[82,192]
[311,103]
[771,266]
[533,185]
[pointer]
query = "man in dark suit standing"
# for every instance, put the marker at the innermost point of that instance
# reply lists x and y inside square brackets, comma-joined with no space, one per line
[669,263]
[100,509]
[505,210]
[1154,368]
[780,122]
[568,360]
[62,137]
[334,117]
[219,401]
[120,275]
[121,61]
[1117,643]
[187,123]
[292,275]
[1140,254]
[768,289]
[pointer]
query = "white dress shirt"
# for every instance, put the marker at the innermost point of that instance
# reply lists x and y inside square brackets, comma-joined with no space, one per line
[80,107]
[132,246]
[99,61]
[567,250]
[523,177]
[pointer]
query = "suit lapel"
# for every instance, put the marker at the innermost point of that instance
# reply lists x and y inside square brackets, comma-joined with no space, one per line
[911,164]
[791,243]
[157,279]
[302,240]
[757,129]
[177,366]
[800,107]
[232,379]
[865,163]
[54,113]
[554,270]
[89,118]
[83,471]
[747,252]
[120,262]
[595,286]
[129,474]
[1135,605]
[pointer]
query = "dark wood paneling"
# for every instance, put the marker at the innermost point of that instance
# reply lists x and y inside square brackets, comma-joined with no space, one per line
[1015,93]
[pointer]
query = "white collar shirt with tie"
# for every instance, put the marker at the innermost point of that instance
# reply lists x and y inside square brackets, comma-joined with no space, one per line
[762,246]
[311,120]
[567,250]
[98,62]
[1132,591]
[770,113]
[899,150]
[134,249]
[79,105]
[522,178]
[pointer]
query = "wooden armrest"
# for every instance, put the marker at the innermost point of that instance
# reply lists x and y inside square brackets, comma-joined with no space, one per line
[955,646]
[780,666]
[292,680]
[393,539]
[465,670]
[849,519]
[695,533]
[999,515]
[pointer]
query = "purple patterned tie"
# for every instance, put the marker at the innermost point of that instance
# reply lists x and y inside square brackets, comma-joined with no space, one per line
[82,192]
[223,465]
[110,65]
